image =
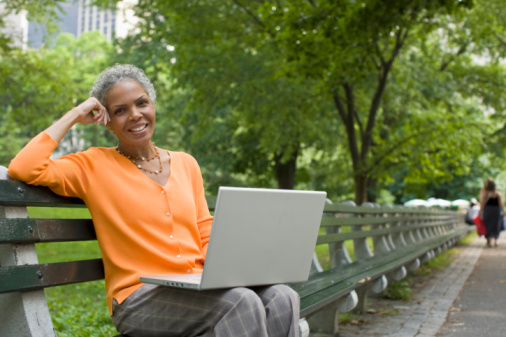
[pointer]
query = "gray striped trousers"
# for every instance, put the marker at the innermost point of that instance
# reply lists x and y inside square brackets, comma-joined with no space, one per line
[156,311]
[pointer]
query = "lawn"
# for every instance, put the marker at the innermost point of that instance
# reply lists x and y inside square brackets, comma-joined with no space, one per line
[77,309]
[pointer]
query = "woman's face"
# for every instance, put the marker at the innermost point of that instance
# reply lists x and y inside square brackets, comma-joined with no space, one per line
[132,113]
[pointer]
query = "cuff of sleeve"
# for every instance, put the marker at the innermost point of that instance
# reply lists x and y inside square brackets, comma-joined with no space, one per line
[32,158]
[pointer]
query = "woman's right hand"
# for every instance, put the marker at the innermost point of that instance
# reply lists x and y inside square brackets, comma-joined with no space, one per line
[88,112]
[91,111]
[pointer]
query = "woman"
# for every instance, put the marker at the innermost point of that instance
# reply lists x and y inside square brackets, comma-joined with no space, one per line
[491,209]
[151,218]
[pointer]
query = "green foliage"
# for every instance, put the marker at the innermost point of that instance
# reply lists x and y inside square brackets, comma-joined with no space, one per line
[399,291]
[468,239]
[84,58]
[38,87]
[11,139]
[238,115]
[42,11]
[402,290]
[58,213]
[80,310]
[356,96]
[345,317]
[258,81]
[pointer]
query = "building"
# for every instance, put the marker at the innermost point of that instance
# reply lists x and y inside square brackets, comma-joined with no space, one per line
[16,26]
[79,16]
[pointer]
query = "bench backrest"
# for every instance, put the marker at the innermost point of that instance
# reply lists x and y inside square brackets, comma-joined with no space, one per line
[380,230]
[386,227]
[371,229]
[17,229]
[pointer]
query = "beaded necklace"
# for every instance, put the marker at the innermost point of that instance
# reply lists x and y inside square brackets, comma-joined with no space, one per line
[139,166]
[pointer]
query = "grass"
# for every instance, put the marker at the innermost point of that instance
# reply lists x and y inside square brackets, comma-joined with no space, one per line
[400,290]
[322,251]
[77,309]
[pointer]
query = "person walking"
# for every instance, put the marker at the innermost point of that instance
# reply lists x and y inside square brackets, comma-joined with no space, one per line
[491,209]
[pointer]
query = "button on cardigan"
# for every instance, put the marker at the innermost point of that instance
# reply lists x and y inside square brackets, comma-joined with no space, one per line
[142,228]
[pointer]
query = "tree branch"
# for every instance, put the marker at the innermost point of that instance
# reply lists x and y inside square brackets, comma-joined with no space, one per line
[350,100]
[253,16]
[461,50]
[392,148]
[380,54]
[376,64]
[400,36]
[350,131]
[502,42]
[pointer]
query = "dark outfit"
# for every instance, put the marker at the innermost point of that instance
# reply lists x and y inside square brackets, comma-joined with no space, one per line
[492,218]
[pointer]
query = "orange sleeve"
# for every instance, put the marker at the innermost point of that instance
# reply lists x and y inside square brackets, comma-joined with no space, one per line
[33,165]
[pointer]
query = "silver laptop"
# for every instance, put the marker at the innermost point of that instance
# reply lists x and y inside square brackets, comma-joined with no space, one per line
[258,237]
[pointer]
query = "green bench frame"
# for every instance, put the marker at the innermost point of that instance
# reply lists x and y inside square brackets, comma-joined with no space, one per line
[402,239]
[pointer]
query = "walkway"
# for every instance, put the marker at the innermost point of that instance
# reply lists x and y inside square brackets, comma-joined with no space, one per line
[464,299]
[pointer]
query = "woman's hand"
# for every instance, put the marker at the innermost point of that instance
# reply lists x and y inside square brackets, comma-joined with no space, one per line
[88,112]
[91,111]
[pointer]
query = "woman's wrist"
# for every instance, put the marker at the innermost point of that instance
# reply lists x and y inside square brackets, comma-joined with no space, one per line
[59,129]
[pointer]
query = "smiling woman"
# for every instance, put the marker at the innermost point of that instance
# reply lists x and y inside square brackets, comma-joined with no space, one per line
[132,120]
[151,218]
[129,97]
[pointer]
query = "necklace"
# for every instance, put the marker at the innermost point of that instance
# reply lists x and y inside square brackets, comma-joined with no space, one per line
[139,166]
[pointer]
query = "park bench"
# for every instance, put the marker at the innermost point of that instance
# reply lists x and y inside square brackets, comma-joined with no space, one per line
[387,243]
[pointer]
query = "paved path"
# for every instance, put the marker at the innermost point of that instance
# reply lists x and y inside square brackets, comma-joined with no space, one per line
[480,308]
[446,303]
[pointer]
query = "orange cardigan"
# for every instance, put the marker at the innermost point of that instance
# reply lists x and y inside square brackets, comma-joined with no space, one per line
[142,228]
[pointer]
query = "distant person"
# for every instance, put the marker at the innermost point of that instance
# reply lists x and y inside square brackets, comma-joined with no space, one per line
[491,209]
[472,211]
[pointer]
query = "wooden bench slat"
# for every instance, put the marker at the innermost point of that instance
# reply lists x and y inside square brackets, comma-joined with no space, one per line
[363,221]
[17,193]
[38,276]
[46,230]
[310,304]
[339,237]
[401,255]
[327,286]
[337,208]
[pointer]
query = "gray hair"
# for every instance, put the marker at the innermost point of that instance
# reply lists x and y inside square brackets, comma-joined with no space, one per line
[120,73]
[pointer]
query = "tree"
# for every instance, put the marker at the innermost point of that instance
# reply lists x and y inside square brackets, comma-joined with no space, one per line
[341,53]
[463,75]
[353,46]
[78,62]
[42,11]
[15,66]
[38,86]
[234,82]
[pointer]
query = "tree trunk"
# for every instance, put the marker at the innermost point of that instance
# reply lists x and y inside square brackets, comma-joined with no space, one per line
[360,189]
[285,171]
[372,190]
